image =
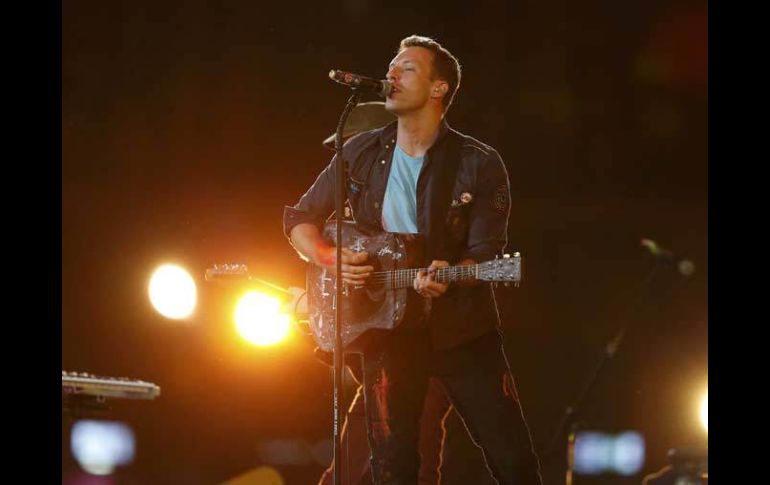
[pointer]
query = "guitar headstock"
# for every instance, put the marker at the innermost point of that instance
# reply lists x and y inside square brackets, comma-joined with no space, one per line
[227,271]
[502,270]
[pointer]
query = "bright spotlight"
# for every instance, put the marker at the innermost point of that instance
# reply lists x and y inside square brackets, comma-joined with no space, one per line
[259,319]
[172,292]
[704,412]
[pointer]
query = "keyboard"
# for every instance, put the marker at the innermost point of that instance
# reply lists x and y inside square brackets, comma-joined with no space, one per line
[81,383]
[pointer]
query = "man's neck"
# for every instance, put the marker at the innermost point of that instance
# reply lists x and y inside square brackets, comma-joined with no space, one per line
[418,131]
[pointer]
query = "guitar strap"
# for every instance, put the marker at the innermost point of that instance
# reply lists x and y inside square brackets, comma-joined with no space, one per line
[443,182]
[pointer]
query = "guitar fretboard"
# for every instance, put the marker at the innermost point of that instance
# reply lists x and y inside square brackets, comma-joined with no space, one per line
[404,278]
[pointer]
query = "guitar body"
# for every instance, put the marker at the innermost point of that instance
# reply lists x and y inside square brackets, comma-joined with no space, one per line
[374,306]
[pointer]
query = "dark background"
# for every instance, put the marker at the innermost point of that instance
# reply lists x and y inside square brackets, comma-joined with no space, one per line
[186,127]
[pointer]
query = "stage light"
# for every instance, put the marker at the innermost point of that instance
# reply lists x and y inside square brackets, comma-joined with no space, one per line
[704,412]
[100,446]
[173,292]
[596,453]
[259,320]
[593,452]
[628,453]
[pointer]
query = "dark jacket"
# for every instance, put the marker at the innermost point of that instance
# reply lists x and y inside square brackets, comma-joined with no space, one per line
[472,225]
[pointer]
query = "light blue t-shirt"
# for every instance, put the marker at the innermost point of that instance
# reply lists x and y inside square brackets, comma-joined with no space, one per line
[399,207]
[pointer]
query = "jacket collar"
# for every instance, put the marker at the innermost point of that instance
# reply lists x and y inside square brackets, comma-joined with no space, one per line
[388,134]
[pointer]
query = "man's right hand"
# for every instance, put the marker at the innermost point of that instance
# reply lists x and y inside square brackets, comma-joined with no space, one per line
[309,243]
[354,272]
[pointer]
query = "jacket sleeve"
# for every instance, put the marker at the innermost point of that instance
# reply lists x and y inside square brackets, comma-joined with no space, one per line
[317,204]
[488,222]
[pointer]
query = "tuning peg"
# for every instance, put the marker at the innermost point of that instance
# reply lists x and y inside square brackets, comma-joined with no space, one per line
[517,254]
[506,255]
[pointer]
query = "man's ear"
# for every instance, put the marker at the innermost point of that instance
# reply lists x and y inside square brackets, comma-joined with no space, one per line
[440,89]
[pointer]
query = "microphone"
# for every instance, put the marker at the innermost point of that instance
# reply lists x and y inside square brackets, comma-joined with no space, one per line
[683,265]
[380,87]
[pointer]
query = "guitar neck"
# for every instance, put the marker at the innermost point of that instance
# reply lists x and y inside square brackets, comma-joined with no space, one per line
[404,278]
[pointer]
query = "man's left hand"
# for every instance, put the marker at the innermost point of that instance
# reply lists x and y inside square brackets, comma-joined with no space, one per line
[425,283]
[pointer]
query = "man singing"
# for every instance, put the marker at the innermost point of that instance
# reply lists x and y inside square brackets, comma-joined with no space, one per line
[418,176]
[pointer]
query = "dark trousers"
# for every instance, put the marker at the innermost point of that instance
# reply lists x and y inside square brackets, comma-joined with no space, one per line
[478,381]
[356,464]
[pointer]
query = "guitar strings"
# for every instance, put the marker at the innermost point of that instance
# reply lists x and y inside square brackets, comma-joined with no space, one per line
[405,277]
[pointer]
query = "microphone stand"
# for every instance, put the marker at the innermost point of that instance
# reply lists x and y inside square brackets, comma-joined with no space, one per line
[339,202]
[568,420]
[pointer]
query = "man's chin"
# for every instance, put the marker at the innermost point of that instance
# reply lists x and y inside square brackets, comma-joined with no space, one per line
[393,107]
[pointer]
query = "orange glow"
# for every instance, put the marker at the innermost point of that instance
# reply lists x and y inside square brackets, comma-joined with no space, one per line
[264,474]
[259,319]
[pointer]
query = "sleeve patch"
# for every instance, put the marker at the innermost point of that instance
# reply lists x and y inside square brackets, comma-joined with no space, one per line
[500,200]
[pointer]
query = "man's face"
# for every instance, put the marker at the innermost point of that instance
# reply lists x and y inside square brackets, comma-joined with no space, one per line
[411,72]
